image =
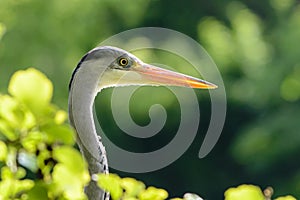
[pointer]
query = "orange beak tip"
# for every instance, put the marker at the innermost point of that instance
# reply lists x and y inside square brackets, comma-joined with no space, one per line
[213,86]
[202,85]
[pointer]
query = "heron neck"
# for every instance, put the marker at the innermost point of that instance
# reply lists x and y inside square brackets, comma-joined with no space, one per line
[83,90]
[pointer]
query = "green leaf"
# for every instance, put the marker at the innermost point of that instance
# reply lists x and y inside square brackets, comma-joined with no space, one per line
[6,173]
[245,192]
[38,192]
[132,186]
[129,198]
[70,175]
[42,157]
[6,132]
[20,173]
[59,133]
[112,184]
[32,141]
[9,108]
[15,114]
[68,156]
[13,117]
[3,151]
[60,117]
[288,197]
[32,88]
[153,193]
[5,188]
[11,186]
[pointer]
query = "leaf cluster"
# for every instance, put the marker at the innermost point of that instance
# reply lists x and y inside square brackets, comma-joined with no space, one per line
[37,155]
[38,159]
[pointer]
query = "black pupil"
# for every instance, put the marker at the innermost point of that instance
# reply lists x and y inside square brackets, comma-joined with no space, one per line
[123,61]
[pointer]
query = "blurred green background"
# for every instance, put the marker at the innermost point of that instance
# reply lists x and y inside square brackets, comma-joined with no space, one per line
[255,45]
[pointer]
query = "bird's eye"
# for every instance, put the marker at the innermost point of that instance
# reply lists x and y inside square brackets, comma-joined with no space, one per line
[123,62]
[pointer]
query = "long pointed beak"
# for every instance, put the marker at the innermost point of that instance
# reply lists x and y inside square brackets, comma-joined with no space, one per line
[161,76]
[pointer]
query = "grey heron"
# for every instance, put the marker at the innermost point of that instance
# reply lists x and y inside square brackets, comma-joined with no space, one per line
[104,67]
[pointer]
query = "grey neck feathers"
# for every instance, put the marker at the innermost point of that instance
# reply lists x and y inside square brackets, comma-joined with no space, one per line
[83,89]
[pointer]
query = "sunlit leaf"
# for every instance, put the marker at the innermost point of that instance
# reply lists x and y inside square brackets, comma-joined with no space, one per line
[132,186]
[152,193]
[32,88]
[59,133]
[60,117]
[20,173]
[6,173]
[68,156]
[10,185]
[15,114]
[32,140]
[245,192]
[288,197]
[45,167]
[129,198]
[68,178]
[21,186]
[5,188]
[3,151]
[6,132]
[112,184]
[12,188]
[10,111]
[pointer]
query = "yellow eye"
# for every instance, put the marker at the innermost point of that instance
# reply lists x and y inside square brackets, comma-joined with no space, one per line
[123,62]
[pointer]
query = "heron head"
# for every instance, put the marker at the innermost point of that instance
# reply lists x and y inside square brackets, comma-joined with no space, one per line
[122,68]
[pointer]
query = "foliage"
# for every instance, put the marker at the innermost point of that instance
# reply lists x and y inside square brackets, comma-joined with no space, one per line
[131,189]
[37,157]
[246,192]
[249,192]
[38,160]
